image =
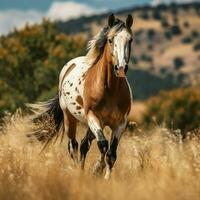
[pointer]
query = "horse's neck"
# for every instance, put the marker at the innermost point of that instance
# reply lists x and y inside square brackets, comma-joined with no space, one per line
[101,83]
[105,70]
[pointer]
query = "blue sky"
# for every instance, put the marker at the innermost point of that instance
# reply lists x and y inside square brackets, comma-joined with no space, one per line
[45,4]
[16,13]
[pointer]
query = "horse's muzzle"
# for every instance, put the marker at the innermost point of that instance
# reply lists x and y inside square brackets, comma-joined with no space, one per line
[121,71]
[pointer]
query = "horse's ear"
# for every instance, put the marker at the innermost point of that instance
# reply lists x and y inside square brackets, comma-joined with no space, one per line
[129,21]
[111,20]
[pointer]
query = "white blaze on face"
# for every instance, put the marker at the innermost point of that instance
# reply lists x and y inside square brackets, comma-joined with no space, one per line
[122,48]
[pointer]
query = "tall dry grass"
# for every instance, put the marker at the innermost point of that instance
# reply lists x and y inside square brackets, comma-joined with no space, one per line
[152,164]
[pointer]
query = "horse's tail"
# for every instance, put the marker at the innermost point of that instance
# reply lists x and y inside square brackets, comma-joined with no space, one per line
[48,118]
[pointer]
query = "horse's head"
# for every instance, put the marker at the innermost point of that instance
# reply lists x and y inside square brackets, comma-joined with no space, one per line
[119,40]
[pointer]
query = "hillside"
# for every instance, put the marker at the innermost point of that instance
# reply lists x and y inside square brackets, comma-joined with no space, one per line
[166,53]
[166,46]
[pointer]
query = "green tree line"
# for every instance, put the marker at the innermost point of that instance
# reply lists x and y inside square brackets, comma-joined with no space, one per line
[30,62]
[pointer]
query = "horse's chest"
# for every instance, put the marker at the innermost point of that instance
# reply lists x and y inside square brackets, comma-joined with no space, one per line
[111,112]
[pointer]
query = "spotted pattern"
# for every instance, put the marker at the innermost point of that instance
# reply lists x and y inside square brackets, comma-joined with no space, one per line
[71,85]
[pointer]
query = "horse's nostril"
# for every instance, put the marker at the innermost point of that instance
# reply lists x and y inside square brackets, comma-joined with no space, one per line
[115,67]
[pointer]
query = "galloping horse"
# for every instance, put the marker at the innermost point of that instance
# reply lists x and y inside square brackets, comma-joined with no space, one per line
[93,89]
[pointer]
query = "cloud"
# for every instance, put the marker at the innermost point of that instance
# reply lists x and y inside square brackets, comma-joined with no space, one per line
[67,10]
[10,19]
[57,11]
[157,2]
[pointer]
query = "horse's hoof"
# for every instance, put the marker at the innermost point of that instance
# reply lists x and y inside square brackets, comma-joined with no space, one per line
[98,168]
[107,175]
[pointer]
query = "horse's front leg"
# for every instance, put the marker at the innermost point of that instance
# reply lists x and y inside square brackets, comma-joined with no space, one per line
[111,155]
[96,127]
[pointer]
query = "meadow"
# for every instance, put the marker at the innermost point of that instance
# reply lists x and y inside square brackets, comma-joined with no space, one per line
[152,164]
[158,156]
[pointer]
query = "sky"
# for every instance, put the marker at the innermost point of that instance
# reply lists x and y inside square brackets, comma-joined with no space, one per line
[16,13]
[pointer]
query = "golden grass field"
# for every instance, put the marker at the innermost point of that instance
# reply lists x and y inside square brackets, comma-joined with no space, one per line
[152,164]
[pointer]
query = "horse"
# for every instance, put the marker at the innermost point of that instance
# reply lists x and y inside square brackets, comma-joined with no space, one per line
[93,89]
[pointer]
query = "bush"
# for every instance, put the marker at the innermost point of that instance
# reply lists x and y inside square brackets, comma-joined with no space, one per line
[134,60]
[162,7]
[197,9]
[138,35]
[178,62]
[150,46]
[197,47]
[151,34]
[186,24]
[168,35]
[156,14]
[174,9]
[178,109]
[175,20]
[186,40]
[163,70]
[144,15]
[137,41]
[164,23]
[195,34]
[181,77]
[146,58]
[175,29]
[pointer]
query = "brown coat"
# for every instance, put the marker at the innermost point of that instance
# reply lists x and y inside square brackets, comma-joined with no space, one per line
[105,94]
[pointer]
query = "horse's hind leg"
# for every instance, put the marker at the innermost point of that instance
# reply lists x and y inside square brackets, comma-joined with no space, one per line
[96,128]
[70,129]
[85,146]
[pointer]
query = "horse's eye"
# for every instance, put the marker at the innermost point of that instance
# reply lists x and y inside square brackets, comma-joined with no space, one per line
[110,41]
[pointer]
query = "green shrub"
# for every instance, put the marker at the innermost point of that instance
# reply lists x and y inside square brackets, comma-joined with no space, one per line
[178,62]
[163,70]
[174,9]
[151,33]
[195,34]
[144,15]
[197,46]
[157,14]
[134,60]
[146,58]
[164,23]
[137,41]
[186,24]
[168,35]
[175,29]
[186,40]
[178,109]
[175,20]
[150,46]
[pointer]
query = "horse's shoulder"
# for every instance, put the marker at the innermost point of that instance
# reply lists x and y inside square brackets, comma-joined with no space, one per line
[93,88]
